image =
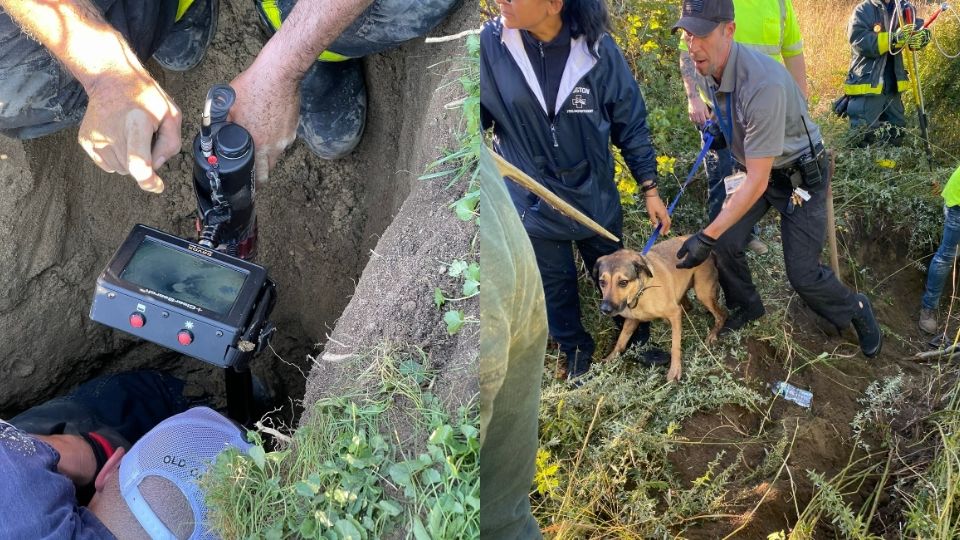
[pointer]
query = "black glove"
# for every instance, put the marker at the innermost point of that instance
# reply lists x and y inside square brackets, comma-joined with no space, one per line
[695,250]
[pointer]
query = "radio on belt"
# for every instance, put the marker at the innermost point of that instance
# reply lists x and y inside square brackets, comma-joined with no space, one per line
[186,297]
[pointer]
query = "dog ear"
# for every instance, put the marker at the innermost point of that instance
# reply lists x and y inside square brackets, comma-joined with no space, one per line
[641,266]
[596,269]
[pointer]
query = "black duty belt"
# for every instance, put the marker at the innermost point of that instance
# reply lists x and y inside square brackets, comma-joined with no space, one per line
[786,176]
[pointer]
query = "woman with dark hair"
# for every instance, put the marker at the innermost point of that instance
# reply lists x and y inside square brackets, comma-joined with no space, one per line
[556,90]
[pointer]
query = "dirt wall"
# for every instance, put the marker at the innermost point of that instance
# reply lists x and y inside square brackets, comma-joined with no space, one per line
[61,218]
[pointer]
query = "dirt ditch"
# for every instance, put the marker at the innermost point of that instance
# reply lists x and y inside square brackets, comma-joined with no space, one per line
[819,438]
[320,222]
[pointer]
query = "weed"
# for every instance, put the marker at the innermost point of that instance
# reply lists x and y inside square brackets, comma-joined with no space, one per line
[343,474]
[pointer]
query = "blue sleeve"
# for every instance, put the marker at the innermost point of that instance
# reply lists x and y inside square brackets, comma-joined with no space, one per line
[628,114]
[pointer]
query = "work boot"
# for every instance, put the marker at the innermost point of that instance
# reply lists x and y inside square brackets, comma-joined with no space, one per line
[741,317]
[868,330]
[333,107]
[758,247]
[928,320]
[184,47]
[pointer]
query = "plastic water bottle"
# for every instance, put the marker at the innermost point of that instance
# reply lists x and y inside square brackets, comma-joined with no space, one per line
[792,393]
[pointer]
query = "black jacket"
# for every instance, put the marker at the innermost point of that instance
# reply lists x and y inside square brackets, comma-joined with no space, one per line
[598,102]
[870,44]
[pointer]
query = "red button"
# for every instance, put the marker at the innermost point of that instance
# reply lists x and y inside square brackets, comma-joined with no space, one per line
[185,337]
[137,320]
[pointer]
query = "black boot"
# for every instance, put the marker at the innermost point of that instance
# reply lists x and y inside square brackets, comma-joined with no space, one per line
[868,330]
[740,317]
[190,37]
[333,107]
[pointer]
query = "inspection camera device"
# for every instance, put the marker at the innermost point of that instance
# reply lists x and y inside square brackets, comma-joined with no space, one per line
[204,299]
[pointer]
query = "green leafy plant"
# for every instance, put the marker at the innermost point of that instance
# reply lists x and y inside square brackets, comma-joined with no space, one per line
[340,476]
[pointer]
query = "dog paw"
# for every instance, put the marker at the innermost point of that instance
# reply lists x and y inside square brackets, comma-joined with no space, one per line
[712,338]
[609,358]
[673,374]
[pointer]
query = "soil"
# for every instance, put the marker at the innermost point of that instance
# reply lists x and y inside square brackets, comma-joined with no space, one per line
[320,223]
[823,435]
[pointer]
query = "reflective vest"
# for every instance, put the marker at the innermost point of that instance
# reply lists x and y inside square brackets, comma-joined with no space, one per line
[769,26]
[870,37]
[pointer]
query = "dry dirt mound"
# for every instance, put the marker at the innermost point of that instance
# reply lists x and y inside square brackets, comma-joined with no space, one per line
[61,218]
[820,438]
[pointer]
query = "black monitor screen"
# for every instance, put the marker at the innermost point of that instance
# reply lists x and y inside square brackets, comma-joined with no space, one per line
[184,276]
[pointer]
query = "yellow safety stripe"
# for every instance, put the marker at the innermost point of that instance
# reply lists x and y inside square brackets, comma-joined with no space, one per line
[182,8]
[862,89]
[793,50]
[883,43]
[866,89]
[272,12]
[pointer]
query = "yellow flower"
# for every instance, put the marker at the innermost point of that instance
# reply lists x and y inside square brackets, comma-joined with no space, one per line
[649,46]
[665,165]
[887,163]
[546,473]
[627,187]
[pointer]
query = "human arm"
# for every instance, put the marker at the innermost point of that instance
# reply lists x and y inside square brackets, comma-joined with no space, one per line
[758,176]
[797,67]
[863,39]
[696,109]
[126,107]
[77,461]
[791,49]
[268,98]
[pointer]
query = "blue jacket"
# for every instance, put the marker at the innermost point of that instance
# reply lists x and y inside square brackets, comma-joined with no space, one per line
[598,102]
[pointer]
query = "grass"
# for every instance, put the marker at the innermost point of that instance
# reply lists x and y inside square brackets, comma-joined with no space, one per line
[344,473]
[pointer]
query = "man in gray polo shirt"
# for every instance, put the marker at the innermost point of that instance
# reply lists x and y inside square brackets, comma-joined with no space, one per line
[764,117]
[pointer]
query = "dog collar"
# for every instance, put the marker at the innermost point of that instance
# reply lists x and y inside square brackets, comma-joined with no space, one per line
[636,298]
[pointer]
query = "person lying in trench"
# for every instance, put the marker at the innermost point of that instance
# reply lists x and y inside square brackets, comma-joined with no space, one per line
[147,492]
[70,62]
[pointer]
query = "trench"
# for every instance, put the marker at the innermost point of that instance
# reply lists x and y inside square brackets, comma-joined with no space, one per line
[61,218]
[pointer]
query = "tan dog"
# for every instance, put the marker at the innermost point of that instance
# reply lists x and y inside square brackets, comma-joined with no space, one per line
[643,288]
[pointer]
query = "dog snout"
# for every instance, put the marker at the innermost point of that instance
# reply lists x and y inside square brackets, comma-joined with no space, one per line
[606,307]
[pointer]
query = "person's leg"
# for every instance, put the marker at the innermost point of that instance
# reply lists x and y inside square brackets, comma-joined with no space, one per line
[804,232]
[333,96]
[38,96]
[185,46]
[941,265]
[719,164]
[895,117]
[864,113]
[559,275]
[740,294]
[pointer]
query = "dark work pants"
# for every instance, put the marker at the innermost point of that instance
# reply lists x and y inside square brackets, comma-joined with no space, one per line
[878,117]
[558,271]
[803,232]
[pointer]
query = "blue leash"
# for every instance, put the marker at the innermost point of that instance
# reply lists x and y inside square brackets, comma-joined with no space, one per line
[707,141]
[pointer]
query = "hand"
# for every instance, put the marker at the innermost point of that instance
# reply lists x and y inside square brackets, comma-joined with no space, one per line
[268,106]
[697,110]
[902,36]
[658,212]
[695,250]
[77,461]
[919,39]
[123,114]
